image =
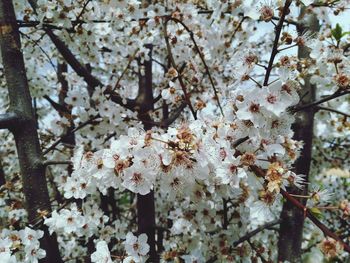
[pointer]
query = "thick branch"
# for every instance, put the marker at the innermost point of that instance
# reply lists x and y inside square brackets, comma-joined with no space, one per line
[8,120]
[291,227]
[72,61]
[58,107]
[175,114]
[146,215]
[84,72]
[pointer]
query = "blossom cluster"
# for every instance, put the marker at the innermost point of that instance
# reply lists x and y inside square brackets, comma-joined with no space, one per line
[24,242]
[201,167]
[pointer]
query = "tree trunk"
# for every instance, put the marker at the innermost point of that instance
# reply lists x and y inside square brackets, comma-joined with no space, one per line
[145,203]
[291,226]
[24,129]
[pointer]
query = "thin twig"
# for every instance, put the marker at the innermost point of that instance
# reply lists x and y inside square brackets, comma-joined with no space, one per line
[282,49]
[125,70]
[83,10]
[173,63]
[42,50]
[249,235]
[47,163]
[333,110]
[82,125]
[275,43]
[201,57]
[237,28]
[257,83]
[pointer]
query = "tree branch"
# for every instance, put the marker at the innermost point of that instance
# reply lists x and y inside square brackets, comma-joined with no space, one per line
[337,94]
[239,141]
[58,107]
[275,43]
[63,136]
[167,122]
[249,235]
[326,231]
[8,120]
[201,57]
[333,110]
[307,213]
[35,188]
[172,61]
[47,163]
[84,72]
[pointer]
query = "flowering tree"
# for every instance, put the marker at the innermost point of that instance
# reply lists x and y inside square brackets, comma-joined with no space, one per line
[174,131]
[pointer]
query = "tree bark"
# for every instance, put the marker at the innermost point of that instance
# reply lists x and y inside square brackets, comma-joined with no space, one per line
[25,133]
[292,218]
[145,203]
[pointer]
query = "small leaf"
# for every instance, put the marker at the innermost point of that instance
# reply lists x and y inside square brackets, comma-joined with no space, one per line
[316,212]
[337,32]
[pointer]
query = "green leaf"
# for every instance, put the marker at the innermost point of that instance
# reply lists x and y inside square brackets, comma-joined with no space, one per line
[124,199]
[337,32]
[316,212]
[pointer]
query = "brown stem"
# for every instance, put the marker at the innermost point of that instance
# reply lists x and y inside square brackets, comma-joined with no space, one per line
[326,231]
[304,210]
[275,43]
[63,136]
[201,57]
[291,227]
[249,235]
[9,120]
[173,63]
[334,110]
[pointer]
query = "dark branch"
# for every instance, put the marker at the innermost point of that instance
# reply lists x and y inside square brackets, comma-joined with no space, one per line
[9,120]
[84,72]
[174,116]
[58,107]
[72,61]
[334,110]
[201,57]
[238,142]
[63,136]
[307,213]
[173,63]
[249,235]
[326,231]
[47,163]
[337,94]
[275,43]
